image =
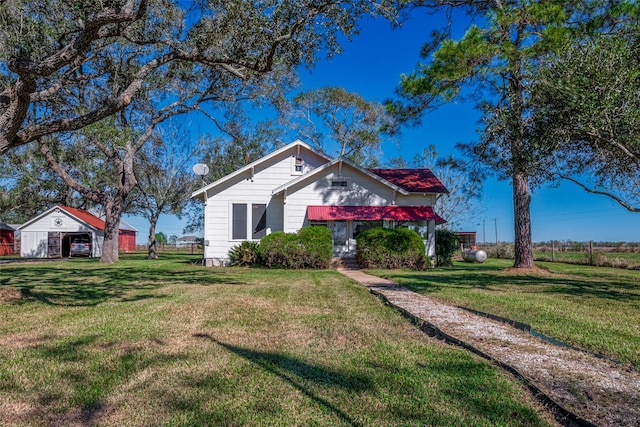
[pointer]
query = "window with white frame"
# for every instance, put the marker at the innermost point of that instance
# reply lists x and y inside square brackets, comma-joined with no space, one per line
[297,166]
[245,215]
[239,221]
[258,220]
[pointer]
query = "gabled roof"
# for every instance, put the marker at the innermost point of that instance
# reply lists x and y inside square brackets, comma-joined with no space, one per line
[203,191]
[80,215]
[4,226]
[186,238]
[124,226]
[333,162]
[413,180]
[85,216]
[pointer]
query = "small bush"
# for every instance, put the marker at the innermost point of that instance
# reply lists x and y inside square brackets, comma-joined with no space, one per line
[280,249]
[245,254]
[386,248]
[318,246]
[446,246]
[309,248]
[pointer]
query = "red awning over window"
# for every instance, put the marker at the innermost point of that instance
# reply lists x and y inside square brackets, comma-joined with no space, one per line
[373,213]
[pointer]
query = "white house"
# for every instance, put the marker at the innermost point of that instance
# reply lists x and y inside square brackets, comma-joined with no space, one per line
[50,234]
[296,186]
[186,241]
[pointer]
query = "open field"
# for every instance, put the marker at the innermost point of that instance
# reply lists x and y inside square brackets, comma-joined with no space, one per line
[594,308]
[621,256]
[170,343]
[630,260]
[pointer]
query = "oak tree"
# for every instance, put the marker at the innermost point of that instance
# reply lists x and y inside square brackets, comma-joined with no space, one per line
[66,65]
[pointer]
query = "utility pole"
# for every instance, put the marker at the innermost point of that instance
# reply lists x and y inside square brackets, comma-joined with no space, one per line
[484,240]
[495,221]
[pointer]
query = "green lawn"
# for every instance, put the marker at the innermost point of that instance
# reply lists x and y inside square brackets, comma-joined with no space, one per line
[594,308]
[169,343]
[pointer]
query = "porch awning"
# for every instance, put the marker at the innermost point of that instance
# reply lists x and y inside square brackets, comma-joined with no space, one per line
[373,213]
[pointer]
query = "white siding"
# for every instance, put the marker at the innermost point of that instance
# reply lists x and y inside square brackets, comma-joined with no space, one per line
[362,191]
[250,187]
[98,240]
[58,221]
[416,200]
[33,244]
[35,236]
[287,211]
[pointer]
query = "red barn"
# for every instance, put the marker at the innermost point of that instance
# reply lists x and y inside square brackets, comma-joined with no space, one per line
[126,237]
[7,241]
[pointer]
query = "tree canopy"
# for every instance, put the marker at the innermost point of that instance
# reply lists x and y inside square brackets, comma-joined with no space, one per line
[333,114]
[493,64]
[108,72]
[586,103]
[105,53]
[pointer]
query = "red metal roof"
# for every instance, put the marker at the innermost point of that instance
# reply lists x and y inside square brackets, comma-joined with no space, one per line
[412,180]
[373,213]
[85,216]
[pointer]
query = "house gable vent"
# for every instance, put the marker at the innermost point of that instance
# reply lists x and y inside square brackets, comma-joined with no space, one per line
[339,184]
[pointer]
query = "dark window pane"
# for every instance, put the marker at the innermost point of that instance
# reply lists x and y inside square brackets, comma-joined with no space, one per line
[239,226]
[259,221]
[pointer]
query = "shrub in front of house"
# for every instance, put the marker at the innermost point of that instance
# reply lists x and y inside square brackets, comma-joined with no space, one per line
[245,254]
[387,248]
[446,246]
[311,247]
[280,249]
[318,246]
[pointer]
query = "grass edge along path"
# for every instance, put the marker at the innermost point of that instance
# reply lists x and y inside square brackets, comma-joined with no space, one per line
[593,308]
[169,343]
[583,389]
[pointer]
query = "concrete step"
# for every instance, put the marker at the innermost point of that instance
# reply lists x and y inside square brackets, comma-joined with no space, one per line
[346,263]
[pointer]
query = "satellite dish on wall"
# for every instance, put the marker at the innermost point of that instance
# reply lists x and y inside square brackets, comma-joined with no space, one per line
[200,169]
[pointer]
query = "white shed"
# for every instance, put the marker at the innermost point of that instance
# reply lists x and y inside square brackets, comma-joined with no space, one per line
[49,234]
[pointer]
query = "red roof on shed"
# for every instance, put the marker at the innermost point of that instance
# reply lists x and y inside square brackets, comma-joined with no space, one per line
[85,216]
[373,213]
[412,180]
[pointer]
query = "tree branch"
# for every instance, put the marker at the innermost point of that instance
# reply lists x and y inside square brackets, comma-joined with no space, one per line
[86,192]
[68,124]
[617,199]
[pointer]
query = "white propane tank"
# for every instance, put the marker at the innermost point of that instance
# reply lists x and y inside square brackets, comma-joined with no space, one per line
[476,255]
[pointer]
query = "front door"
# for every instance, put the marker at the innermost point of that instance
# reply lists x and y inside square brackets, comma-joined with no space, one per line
[339,236]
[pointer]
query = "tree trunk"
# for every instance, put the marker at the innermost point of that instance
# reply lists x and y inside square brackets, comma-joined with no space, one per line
[113,213]
[151,247]
[522,221]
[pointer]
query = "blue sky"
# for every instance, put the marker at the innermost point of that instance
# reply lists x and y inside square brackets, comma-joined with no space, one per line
[372,64]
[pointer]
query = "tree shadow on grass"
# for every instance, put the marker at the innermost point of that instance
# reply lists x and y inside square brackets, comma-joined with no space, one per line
[301,375]
[88,371]
[82,286]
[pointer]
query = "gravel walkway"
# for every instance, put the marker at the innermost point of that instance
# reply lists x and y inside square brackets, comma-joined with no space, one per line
[592,391]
